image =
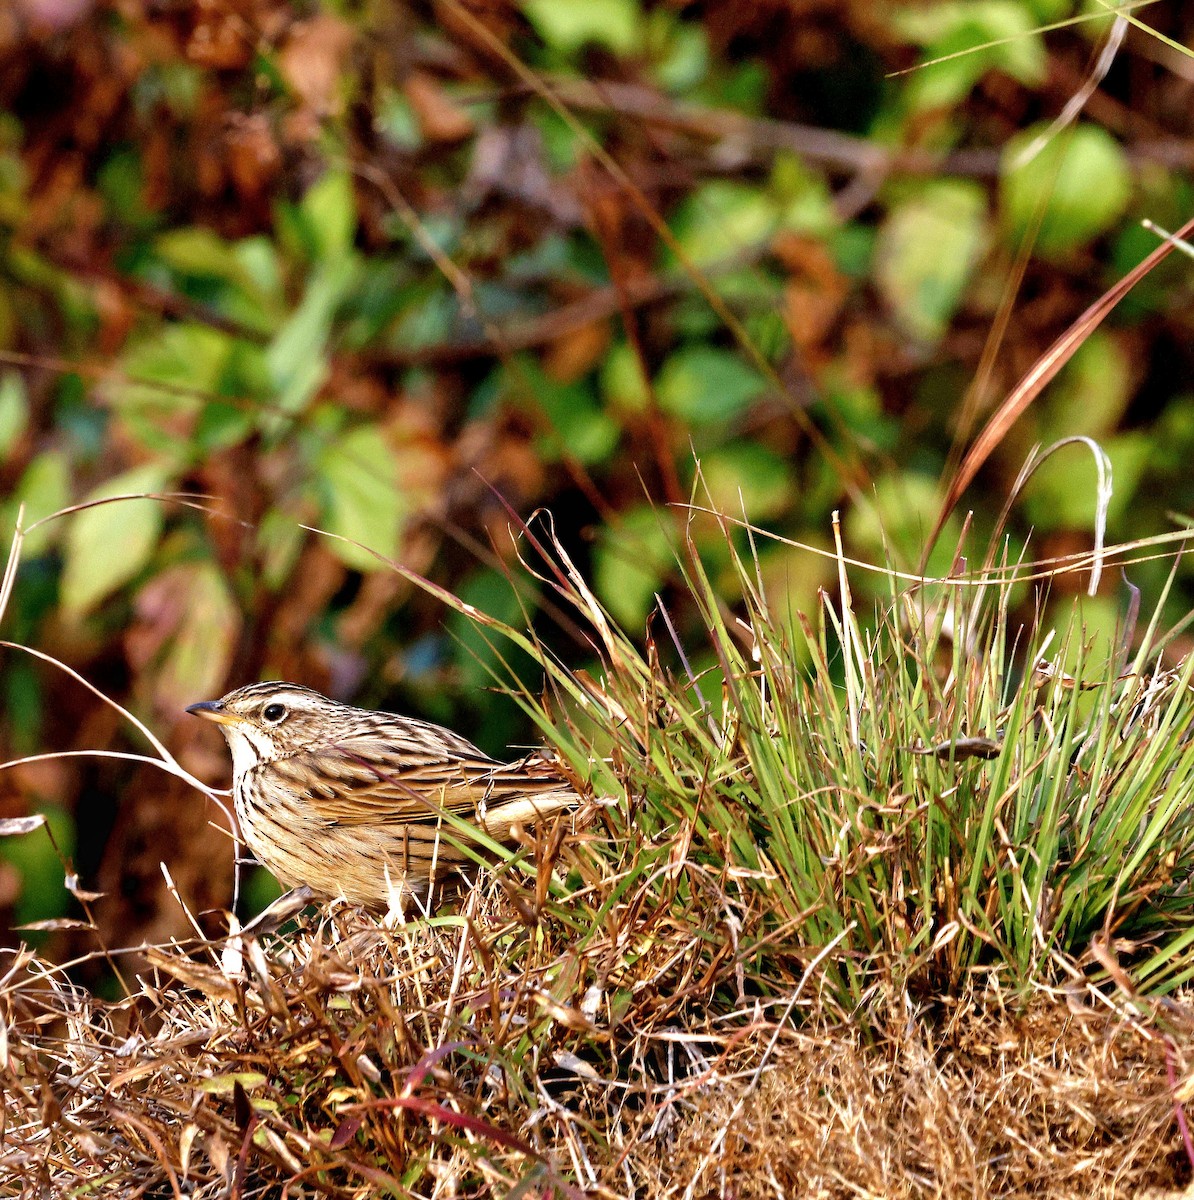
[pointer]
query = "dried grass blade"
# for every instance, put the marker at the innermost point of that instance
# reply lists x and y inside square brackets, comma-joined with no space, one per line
[1044,370]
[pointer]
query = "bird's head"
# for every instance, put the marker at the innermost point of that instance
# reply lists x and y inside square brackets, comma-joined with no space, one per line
[267,721]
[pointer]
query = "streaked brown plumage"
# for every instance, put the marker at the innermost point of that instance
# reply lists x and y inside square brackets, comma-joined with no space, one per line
[352,802]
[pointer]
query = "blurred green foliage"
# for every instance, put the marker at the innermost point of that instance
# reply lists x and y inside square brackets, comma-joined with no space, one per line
[335,266]
[1074,187]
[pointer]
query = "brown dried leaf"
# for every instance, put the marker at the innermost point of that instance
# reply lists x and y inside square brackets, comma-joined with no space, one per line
[345,1132]
[80,893]
[220,37]
[185,1141]
[54,925]
[11,826]
[963,748]
[816,291]
[576,352]
[312,62]
[254,158]
[440,118]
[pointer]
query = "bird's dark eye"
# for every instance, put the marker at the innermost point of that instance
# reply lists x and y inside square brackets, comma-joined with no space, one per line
[274,712]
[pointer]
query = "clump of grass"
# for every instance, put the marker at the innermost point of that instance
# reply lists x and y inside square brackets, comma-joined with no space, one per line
[896,905]
[934,797]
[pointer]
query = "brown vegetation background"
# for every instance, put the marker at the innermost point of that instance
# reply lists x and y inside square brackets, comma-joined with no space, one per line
[394,270]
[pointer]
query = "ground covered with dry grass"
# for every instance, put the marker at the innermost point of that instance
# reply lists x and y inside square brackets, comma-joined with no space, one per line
[347,1059]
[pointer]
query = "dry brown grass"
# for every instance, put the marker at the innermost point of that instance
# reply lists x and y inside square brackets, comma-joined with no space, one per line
[471,1057]
[1044,1103]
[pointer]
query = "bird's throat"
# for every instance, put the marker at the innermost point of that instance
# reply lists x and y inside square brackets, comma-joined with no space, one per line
[250,748]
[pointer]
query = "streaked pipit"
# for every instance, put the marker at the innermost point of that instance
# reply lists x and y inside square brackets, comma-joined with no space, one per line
[353,802]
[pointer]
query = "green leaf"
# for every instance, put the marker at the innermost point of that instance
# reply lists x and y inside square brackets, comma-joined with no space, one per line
[589,435]
[238,279]
[222,424]
[1092,392]
[14,410]
[121,181]
[567,27]
[792,578]
[296,358]
[109,544]
[198,656]
[578,427]
[395,120]
[329,210]
[44,489]
[260,890]
[382,297]
[257,257]
[358,476]
[747,478]
[426,318]
[721,218]
[967,29]
[681,52]
[630,564]
[478,654]
[859,408]
[279,543]
[803,200]
[926,254]
[1173,442]
[622,385]
[195,250]
[1063,493]
[185,358]
[1082,178]
[705,385]
[1100,620]
[900,514]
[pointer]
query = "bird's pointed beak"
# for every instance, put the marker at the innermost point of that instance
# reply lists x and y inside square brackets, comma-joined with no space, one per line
[214,710]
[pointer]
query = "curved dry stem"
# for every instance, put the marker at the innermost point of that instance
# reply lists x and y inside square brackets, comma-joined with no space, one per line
[168,764]
[124,712]
[1096,557]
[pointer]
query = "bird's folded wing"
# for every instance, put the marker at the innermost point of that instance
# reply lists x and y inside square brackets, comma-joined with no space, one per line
[366,781]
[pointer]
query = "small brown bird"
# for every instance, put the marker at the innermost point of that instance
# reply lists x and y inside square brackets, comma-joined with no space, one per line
[353,802]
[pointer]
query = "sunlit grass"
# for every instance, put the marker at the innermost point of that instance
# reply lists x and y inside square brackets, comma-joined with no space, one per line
[935,795]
